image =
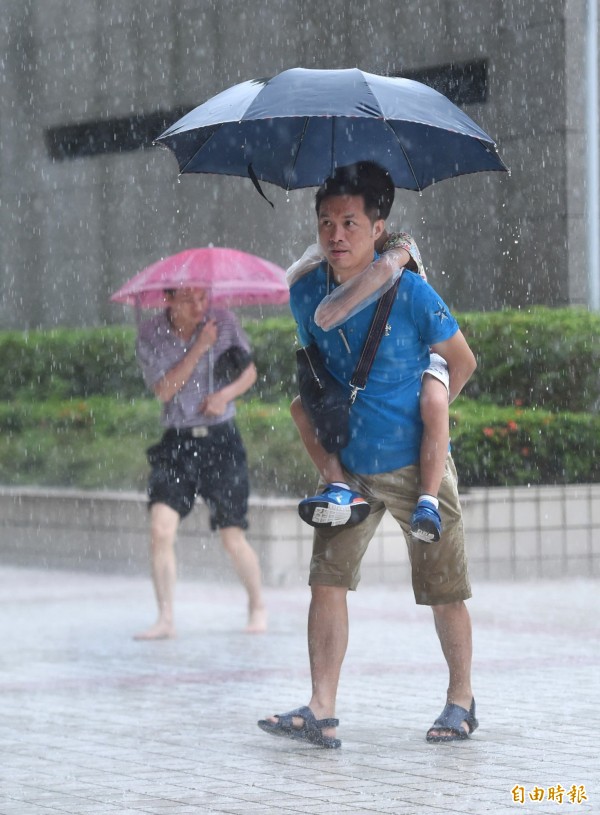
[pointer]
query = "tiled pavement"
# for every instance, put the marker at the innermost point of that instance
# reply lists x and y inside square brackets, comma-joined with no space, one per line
[94,723]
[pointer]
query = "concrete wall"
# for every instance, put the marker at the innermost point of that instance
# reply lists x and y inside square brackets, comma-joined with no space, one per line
[73,231]
[516,533]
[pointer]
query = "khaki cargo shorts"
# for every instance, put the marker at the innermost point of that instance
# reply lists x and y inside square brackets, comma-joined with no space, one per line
[439,570]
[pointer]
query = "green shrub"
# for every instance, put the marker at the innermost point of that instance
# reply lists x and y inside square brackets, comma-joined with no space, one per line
[101,442]
[542,357]
[278,463]
[69,364]
[273,343]
[95,443]
[548,358]
[495,446]
[79,363]
[74,409]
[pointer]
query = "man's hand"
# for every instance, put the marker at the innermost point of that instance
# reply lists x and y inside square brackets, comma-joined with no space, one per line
[208,336]
[172,382]
[214,405]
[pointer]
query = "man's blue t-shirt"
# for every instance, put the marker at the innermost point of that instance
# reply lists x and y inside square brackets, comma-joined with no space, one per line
[385,419]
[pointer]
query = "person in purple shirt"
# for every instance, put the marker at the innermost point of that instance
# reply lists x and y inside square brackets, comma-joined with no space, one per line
[187,355]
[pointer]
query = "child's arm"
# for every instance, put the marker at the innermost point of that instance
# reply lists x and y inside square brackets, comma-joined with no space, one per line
[399,251]
[313,255]
[460,360]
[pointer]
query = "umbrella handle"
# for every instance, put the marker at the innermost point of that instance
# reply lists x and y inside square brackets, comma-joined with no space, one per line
[138,310]
[211,378]
[254,180]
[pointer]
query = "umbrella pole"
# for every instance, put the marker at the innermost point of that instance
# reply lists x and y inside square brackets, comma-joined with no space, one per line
[211,366]
[138,310]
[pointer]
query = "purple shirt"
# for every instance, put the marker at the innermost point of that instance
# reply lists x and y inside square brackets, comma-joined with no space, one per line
[159,348]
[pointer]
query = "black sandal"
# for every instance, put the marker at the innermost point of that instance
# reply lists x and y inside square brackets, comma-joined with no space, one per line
[310,730]
[451,718]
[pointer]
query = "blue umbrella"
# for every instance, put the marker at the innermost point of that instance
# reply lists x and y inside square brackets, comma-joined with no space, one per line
[295,128]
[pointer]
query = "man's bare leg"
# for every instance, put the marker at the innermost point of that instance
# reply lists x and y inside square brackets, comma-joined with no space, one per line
[453,626]
[247,567]
[327,644]
[164,522]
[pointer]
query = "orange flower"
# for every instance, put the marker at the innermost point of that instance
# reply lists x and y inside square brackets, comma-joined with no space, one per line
[489,432]
[512,425]
[525,451]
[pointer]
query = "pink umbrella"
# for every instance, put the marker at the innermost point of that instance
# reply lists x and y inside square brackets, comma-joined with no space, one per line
[233,278]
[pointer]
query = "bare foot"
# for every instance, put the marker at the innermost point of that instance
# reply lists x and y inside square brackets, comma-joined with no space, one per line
[159,631]
[257,621]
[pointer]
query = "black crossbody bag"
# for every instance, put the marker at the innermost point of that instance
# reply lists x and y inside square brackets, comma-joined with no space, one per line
[326,401]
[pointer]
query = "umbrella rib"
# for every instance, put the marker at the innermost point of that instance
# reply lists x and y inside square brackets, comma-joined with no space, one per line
[405,154]
[491,147]
[304,129]
[191,158]
[332,144]
[400,145]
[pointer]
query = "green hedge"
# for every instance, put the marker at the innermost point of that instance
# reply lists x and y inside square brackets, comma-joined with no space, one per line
[100,443]
[547,358]
[74,409]
[539,357]
[79,363]
[69,364]
[495,446]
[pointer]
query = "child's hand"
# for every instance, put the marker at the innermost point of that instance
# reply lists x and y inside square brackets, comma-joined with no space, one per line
[311,258]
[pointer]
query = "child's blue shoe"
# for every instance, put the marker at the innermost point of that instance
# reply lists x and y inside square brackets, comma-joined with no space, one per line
[335,506]
[426,524]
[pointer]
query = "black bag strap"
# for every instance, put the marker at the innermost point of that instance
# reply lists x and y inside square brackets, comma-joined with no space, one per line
[367,357]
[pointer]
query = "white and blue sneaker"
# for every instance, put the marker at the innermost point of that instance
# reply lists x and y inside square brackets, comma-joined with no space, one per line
[426,524]
[335,506]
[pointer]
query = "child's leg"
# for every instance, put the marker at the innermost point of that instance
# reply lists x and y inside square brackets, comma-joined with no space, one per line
[327,464]
[436,434]
[426,524]
[337,505]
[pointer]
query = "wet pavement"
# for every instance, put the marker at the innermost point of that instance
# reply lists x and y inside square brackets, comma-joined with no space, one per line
[95,723]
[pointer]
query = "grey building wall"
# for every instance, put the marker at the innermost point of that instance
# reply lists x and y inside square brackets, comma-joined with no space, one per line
[72,231]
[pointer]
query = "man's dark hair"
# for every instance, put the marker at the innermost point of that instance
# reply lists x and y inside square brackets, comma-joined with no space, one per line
[365,178]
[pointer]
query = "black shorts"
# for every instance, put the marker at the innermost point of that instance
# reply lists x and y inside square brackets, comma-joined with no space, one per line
[213,467]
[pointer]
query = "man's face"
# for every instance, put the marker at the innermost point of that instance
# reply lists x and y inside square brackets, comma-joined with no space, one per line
[188,306]
[347,234]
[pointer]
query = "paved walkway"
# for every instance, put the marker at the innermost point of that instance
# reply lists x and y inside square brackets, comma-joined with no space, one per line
[94,723]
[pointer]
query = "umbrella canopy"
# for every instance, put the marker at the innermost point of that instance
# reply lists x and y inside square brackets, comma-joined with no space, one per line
[295,128]
[232,277]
